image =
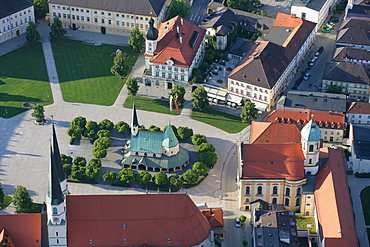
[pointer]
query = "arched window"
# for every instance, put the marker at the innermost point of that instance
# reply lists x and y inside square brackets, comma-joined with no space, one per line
[154,155]
[57,234]
[286,202]
[57,241]
[311,148]
[136,153]
[298,191]
[55,210]
[259,190]
[274,190]
[308,173]
[297,202]
[307,213]
[309,161]
[287,191]
[247,190]
[274,200]
[145,154]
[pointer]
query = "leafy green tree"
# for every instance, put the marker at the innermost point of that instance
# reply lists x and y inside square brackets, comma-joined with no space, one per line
[74,132]
[40,8]
[57,31]
[106,124]
[249,112]
[197,76]
[120,67]
[38,113]
[79,122]
[211,42]
[160,178]
[178,7]
[231,3]
[173,128]
[67,169]
[184,132]
[122,127]
[199,168]
[143,177]
[154,128]
[103,142]
[104,133]
[334,89]
[132,86]
[242,218]
[126,175]
[198,139]
[78,172]
[245,242]
[22,199]
[136,40]
[200,99]
[176,180]
[66,159]
[99,153]
[206,147]
[190,176]
[79,161]
[91,125]
[32,35]
[1,195]
[208,158]
[110,176]
[95,163]
[178,92]
[89,134]
[92,172]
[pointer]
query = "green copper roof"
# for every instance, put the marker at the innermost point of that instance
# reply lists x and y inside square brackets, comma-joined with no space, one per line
[311,132]
[169,138]
[147,141]
[55,196]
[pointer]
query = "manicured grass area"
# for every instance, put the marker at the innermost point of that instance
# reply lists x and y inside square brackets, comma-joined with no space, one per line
[84,71]
[23,78]
[303,221]
[149,104]
[221,120]
[365,200]
[7,201]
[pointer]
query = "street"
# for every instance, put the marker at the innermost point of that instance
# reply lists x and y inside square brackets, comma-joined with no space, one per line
[198,11]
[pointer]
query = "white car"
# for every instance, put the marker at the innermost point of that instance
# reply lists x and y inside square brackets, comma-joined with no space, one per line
[306,76]
[237,222]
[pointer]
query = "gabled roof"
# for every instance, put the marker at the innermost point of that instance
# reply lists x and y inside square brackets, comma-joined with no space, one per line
[343,53]
[347,72]
[333,202]
[273,161]
[311,4]
[8,7]
[24,229]
[147,141]
[215,216]
[274,133]
[180,47]
[139,7]
[241,47]
[361,141]
[359,108]
[154,220]
[354,31]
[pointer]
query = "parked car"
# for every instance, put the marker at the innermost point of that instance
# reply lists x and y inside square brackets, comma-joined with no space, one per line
[237,222]
[298,82]
[306,76]
[320,50]
[334,19]
[258,5]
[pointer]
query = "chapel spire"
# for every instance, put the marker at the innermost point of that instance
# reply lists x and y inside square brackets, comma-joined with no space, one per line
[134,121]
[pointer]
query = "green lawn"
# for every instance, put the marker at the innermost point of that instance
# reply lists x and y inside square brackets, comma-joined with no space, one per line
[365,200]
[7,201]
[303,221]
[23,78]
[84,71]
[149,104]
[221,120]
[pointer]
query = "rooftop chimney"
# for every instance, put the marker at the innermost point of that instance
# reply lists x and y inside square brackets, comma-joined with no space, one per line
[180,39]
[177,28]
[182,21]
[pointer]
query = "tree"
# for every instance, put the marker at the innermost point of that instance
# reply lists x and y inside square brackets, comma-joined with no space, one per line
[208,158]
[40,8]
[143,177]
[110,176]
[178,7]
[334,89]
[103,142]
[184,132]
[38,113]
[120,67]
[104,133]
[154,128]
[249,112]
[95,163]
[198,139]
[66,159]
[67,169]
[99,153]
[92,172]
[242,218]
[78,172]
[206,147]
[176,180]
[136,40]
[57,31]
[245,242]
[197,76]
[200,99]
[190,176]
[106,124]
[22,199]
[74,132]
[89,134]
[122,127]
[32,36]
[132,86]
[1,195]
[79,161]
[199,168]
[91,125]
[231,3]
[126,175]
[79,122]
[178,92]
[160,178]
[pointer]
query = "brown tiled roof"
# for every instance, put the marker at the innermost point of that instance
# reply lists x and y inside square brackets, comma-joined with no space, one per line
[333,202]
[24,229]
[359,108]
[354,31]
[154,219]
[348,72]
[341,53]
[273,161]
[215,216]
[274,133]
[169,45]
[6,239]
[323,119]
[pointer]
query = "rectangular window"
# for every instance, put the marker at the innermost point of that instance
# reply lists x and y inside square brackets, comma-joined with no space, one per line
[117,23]
[88,18]
[132,25]
[163,74]
[109,22]
[286,202]
[82,18]
[102,21]
[96,20]
[182,77]
[123,23]
[77,17]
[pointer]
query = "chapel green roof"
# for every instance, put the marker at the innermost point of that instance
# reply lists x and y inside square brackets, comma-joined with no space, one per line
[169,138]
[147,141]
[311,132]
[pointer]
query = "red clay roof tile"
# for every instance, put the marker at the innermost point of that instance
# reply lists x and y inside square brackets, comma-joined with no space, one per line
[215,216]
[274,133]
[359,108]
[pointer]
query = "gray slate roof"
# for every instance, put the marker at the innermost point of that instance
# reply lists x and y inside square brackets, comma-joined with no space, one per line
[347,72]
[138,7]
[361,136]
[311,4]
[241,47]
[354,31]
[8,7]
[278,35]
[342,53]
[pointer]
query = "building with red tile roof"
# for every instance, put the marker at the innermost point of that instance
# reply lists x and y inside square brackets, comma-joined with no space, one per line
[277,133]
[172,52]
[215,217]
[358,113]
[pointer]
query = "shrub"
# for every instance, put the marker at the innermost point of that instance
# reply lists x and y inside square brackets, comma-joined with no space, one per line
[67,169]
[199,168]
[95,163]
[198,139]
[66,159]
[78,172]
[91,125]
[126,175]
[154,128]
[190,176]
[110,176]
[184,132]
[79,161]
[208,158]
[122,127]
[91,134]
[103,142]
[160,178]
[206,147]
[176,180]
[79,122]
[99,153]
[106,124]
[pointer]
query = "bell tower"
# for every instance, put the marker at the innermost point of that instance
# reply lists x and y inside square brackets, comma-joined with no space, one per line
[310,139]
[151,38]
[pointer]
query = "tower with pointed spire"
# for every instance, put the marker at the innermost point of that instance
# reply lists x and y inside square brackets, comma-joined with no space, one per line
[58,162]
[134,122]
[310,139]
[170,143]
[151,38]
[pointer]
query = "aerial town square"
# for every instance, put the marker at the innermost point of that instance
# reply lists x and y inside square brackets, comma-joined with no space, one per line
[185,123]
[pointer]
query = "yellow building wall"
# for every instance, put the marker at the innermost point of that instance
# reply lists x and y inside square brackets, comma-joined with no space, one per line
[335,134]
[308,205]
